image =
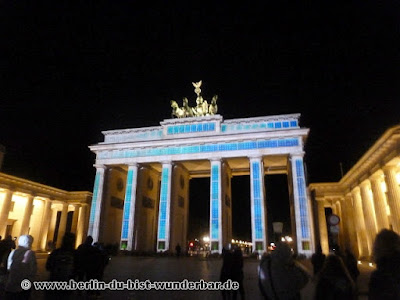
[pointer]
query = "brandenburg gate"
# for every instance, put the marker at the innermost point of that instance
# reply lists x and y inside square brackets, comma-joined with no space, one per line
[141,188]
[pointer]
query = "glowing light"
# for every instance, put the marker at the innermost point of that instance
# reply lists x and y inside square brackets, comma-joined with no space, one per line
[383,186]
[233,241]
[359,262]
[206,239]
[282,239]
[398,178]
[37,202]
[371,264]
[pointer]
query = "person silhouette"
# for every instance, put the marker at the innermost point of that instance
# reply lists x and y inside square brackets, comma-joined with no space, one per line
[384,283]
[317,260]
[178,250]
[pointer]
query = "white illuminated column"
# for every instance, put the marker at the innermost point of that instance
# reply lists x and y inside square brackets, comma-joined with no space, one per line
[164,208]
[369,212]
[27,215]
[45,224]
[128,216]
[215,207]
[63,224]
[323,231]
[393,193]
[382,220]
[363,249]
[5,210]
[95,210]
[80,232]
[348,223]
[75,217]
[258,210]
[301,204]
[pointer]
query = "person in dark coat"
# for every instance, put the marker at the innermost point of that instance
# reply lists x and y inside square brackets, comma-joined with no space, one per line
[85,260]
[334,281]
[226,270]
[352,266]
[61,265]
[178,250]
[280,276]
[237,272]
[317,260]
[21,264]
[102,258]
[384,282]
[7,245]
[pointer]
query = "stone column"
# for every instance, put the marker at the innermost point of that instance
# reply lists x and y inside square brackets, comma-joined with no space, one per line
[369,213]
[258,207]
[164,208]
[27,215]
[393,193]
[80,231]
[350,224]
[44,229]
[128,216]
[382,220]
[216,207]
[301,206]
[360,224]
[52,225]
[341,235]
[97,201]
[5,210]
[75,217]
[323,231]
[63,224]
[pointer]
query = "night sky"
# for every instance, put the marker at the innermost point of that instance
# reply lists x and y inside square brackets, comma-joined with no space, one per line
[70,70]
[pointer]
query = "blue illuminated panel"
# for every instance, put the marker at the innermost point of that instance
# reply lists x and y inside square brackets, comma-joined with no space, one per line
[272,125]
[235,146]
[127,205]
[257,200]
[94,200]
[162,220]
[190,128]
[215,202]
[301,187]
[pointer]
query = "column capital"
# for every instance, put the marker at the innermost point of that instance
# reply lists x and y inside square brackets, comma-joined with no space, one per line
[99,166]
[216,159]
[8,189]
[377,176]
[389,168]
[296,155]
[255,157]
[166,162]
[133,165]
[355,190]
[365,183]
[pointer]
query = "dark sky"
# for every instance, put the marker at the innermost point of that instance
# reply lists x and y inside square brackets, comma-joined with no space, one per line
[70,69]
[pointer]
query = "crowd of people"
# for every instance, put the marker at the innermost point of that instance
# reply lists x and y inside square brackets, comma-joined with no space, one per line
[86,262]
[280,275]
[334,275]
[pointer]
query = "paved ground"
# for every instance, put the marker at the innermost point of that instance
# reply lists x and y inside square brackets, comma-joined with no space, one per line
[190,268]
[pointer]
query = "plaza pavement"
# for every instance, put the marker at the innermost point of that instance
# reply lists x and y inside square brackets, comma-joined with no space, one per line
[177,269]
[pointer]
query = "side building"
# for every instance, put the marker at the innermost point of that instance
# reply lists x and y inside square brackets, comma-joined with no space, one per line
[366,199]
[45,212]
